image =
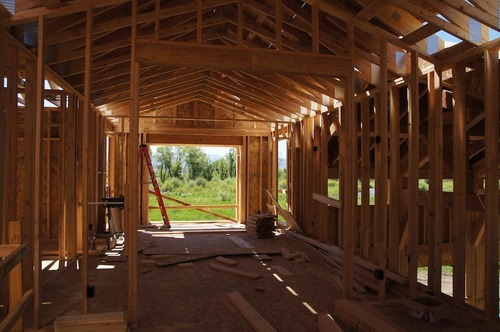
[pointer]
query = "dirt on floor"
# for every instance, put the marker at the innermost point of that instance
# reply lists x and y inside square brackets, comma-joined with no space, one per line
[194,298]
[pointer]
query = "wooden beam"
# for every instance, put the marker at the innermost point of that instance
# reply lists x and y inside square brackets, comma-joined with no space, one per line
[429,16]
[252,316]
[381,186]
[132,183]
[395,181]
[487,17]
[195,140]
[29,169]
[16,274]
[8,322]
[10,141]
[349,182]
[435,211]
[459,181]
[3,121]
[87,110]
[413,161]
[366,227]
[327,200]
[492,86]
[371,10]
[28,15]
[40,86]
[237,58]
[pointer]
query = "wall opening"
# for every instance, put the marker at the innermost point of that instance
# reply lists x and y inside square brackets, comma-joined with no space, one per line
[198,183]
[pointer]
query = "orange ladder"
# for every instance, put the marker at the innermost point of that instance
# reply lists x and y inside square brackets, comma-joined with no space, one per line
[144,151]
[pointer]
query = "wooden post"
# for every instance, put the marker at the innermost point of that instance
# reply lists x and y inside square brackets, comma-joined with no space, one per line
[15,275]
[10,138]
[279,24]
[435,116]
[240,22]
[413,135]
[315,27]
[70,169]
[3,120]
[85,157]
[40,87]
[459,181]
[381,187]
[242,187]
[395,184]
[324,230]
[145,181]
[62,178]
[133,179]
[316,175]
[492,86]
[29,169]
[365,179]
[349,182]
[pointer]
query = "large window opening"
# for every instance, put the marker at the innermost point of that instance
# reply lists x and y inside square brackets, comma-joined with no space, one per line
[197,183]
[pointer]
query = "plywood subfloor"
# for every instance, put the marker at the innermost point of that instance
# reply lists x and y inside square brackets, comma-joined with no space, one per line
[194,298]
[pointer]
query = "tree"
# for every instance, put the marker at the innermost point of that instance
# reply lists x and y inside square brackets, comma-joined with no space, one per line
[196,161]
[164,156]
[231,162]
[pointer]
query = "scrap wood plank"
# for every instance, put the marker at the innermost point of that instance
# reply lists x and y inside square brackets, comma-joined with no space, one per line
[235,271]
[326,323]
[360,317]
[109,321]
[282,272]
[262,257]
[226,261]
[224,252]
[289,219]
[191,258]
[252,316]
[240,242]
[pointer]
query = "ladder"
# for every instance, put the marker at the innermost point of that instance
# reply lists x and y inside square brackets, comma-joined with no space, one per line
[144,151]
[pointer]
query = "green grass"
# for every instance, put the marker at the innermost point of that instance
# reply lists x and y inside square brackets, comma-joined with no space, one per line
[210,193]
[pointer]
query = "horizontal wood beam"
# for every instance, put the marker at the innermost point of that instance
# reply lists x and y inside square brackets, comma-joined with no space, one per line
[237,58]
[327,200]
[190,139]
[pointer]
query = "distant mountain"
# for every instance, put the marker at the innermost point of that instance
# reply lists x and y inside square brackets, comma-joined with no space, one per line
[214,157]
[281,163]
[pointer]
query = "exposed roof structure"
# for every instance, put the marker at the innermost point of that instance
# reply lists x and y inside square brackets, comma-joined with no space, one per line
[301,29]
[379,94]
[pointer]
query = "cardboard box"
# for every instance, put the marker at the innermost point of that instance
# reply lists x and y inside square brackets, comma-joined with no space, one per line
[428,309]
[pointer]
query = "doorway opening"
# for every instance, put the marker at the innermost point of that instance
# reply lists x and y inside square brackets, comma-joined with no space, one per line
[197,184]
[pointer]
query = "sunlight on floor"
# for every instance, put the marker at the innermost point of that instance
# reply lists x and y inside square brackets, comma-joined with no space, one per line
[105,267]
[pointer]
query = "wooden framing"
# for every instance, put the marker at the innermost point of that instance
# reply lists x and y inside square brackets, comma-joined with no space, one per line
[395,181]
[381,185]
[132,213]
[85,158]
[435,179]
[177,54]
[321,75]
[459,182]
[492,87]
[413,158]
[40,85]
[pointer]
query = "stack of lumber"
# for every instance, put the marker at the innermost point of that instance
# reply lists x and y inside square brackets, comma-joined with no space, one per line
[109,322]
[261,225]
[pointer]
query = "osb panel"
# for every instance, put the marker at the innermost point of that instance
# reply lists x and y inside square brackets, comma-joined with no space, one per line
[256,174]
[204,110]
[48,230]
[266,162]
[20,180]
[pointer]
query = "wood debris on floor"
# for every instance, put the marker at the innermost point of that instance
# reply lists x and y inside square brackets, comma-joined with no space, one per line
[106,322]
[261,225]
